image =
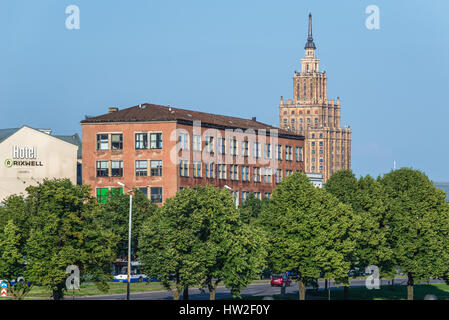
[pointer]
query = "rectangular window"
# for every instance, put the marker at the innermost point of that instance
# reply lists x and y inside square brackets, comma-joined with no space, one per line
[210,170]
[267,175]
[156,140]
[156,194]
[141,141]
[267,151]
[117,168]
[245,173]
[257,195]
[278,176]
[278,152]
[102,142]
[233,147]
[102,195]
[222,171]
[245,195]
[221,146]
[245,148]
[116,141]
[196,142]
[256,150]
[197,169]
[256,174]
[288,153]
[234,172]
[288,173]
[102,168]
[156,168]
[298,152]
[183,139]
[267,195]
[210,144]
[141,168]
[183,168]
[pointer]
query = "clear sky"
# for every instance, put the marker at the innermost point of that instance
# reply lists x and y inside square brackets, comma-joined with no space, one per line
[235,58]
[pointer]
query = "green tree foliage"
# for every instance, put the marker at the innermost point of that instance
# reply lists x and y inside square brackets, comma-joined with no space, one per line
[368,202]
[114,216]
[251,208]
[12,261]
[419,225]
[309,231]
[197,237]
[61,229]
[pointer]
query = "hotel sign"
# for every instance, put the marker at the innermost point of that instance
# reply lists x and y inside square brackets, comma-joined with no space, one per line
[23,157]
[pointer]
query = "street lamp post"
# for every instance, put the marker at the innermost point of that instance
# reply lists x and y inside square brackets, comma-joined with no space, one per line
[129,238]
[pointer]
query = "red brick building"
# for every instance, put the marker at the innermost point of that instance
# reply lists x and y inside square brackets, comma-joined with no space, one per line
[161,149]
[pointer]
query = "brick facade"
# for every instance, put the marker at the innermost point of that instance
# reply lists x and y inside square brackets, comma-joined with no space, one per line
[195,129]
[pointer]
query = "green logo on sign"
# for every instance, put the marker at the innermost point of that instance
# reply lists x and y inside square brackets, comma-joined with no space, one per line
[8,163]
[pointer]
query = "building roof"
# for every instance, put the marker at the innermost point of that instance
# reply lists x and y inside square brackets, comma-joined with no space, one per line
[152,112]
[6,133]
[73,139]
[310,44]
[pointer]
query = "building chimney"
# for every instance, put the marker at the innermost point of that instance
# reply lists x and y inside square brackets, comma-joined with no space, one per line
[112,109]
[253,119]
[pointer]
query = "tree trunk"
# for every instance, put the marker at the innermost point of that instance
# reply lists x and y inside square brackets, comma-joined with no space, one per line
[410,287]
[345,292]
[177,293]
[283,290]
[325,284]
[57,293]
[185,295]
[302,290]
[212,289]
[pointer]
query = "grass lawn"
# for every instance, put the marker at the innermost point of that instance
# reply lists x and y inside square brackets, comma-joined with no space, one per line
[89,288]
[397,292]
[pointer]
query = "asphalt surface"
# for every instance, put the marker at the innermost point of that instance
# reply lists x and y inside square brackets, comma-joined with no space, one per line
[257,289]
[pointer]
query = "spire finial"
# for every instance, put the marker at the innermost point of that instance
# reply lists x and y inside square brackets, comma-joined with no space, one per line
[310,27]
[310,44]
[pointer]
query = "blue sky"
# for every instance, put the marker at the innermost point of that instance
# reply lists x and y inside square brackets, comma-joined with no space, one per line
[235,58]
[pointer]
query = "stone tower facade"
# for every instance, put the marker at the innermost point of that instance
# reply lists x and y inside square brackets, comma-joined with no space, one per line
[327,147]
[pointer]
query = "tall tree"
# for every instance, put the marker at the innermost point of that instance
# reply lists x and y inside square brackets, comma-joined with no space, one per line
[169,246]
[419,225]
[309,231]
[199,238]
[368,202]
[64,231]
[114,216]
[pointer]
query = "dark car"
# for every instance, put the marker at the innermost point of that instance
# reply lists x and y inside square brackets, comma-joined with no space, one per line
[280,280]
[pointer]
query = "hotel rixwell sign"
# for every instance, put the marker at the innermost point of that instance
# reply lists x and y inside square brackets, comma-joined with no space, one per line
[23,157]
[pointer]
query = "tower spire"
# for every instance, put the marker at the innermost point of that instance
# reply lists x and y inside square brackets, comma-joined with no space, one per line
[310,44]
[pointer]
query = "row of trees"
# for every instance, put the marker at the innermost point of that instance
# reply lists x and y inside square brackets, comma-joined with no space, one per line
[398,222]
[199,238]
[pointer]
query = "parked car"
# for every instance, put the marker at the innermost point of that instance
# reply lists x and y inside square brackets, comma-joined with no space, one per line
[280,280]
[135,276]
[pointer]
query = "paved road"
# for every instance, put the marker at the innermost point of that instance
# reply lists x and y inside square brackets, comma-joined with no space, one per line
[258,289]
